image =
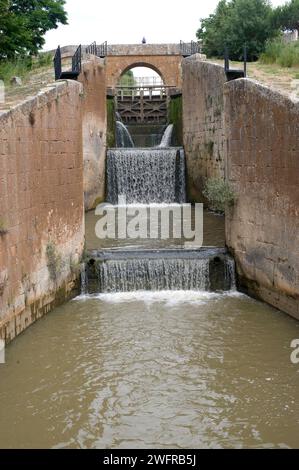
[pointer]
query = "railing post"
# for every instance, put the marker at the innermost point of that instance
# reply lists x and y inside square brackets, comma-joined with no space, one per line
[245,61]
[226,59]
[57,64]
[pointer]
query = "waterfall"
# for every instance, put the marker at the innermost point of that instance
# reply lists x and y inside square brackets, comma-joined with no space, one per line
[84,279]
[230,273]
[123,137]
[146,175]
[167,137]
[153,274]
[208,269]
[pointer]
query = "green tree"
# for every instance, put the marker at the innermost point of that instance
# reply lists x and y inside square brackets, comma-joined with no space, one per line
[15,38]
[23,24]
[40,16]
[236,23]
[286,17]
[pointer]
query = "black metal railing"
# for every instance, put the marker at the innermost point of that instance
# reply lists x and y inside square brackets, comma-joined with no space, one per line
[102,50]
[57,63]
[77,61]
[189,48]
[98,50]
[76,65]
[235,73]
[92,49]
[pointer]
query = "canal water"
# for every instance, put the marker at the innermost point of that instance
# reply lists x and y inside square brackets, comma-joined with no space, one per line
[141,370]
[153,369]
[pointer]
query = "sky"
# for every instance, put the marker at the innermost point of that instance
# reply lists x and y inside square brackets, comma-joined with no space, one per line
[128,21]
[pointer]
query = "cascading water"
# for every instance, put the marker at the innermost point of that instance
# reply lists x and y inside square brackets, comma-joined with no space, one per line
[153,176]
[146,175]
[84,279]
[153,274]
[167,137]
[123,137]
[208,269]
[230,273]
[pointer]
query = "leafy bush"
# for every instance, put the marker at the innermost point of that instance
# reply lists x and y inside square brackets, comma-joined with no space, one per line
[219,194]
[281,53]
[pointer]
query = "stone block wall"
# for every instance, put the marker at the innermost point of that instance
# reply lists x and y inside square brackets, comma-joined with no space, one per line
[262,230]
[93,78]
[203,122]
[41,205]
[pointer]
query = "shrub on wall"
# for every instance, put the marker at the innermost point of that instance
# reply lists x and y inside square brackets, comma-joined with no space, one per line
[3,229]
[110,123]
[219,194]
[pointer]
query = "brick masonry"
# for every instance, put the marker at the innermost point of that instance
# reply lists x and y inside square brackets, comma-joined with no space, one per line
[203,122]
[167,66]
[94,128]
[262,229]
[41,205]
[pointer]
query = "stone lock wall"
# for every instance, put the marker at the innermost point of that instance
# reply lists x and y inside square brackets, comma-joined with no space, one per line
[203,123]
[41,205]
[262,229]
[94,128]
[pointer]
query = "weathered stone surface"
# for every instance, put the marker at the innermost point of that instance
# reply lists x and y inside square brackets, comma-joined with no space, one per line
[93,79]
[203,122]
[262,230]
[41,203]
[16,81]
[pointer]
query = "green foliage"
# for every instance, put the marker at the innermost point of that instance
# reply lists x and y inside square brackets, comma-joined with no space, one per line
[55,263]
[23,24]
[281,53]
[219,194]
[286,17]
[3,229]
[22,66]
[236,23]
[127,79]
[15,38]
[175,117]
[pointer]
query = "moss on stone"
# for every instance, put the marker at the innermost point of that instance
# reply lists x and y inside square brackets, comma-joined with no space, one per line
[110,123]
[97,201]
[175,117]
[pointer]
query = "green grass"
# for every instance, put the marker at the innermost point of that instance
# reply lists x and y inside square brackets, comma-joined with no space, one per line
[281,53]
[23,66]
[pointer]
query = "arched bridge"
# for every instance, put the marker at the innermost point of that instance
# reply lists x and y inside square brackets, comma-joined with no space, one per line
[164,59]
[141,103]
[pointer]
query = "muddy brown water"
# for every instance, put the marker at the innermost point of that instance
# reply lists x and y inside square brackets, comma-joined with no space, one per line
[213,235]
[153,370]
[141,370]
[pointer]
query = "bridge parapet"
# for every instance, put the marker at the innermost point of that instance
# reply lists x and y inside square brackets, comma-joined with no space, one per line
[143,49]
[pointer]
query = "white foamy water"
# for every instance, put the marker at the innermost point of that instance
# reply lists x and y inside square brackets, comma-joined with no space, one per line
[167,297]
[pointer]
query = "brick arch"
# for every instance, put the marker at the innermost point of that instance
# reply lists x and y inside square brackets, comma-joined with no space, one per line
[167,66]
[142,64]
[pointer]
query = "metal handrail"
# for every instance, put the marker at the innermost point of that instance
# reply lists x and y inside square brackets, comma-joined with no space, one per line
[190,48]
[227,60]
[57,63]
[99,51]
[102,50]
[92,48]
[77,61]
